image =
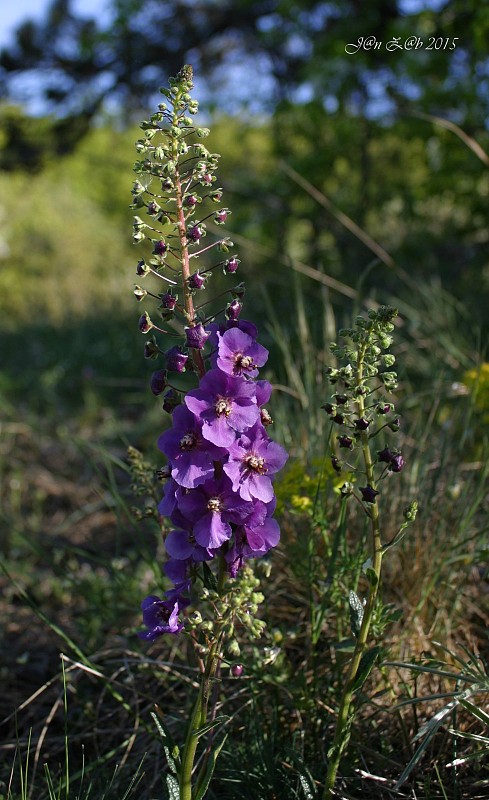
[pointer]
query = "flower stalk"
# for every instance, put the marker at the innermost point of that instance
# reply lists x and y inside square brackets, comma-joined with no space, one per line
[218,492]
[359,424]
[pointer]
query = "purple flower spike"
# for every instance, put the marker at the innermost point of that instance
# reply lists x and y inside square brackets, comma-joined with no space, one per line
[225,405]
[251,463]
[239,354]
[196,336]
[159,616]
[192,457]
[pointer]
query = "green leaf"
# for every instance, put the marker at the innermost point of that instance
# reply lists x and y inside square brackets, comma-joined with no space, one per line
[205,779]
[210,725]
[173,787]
[171,750]
[365,667]
[356,613]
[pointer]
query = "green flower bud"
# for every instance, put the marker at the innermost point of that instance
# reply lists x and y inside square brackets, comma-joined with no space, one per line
[233,648]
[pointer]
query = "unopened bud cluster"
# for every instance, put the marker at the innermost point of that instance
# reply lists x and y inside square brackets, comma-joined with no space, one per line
[361,407]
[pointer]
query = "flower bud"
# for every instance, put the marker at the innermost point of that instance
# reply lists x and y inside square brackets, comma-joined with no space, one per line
[231,265]
[336,463]
[176,359]
[221,216]
[411,511]
[383,408]
[151,349]
[158,382]
[233,310]
[347,489]
[368,493]
[171,400]
[238,291]
[385,455]
[153,208]
[361,424]
[345,441]
[397,463]
[160,248]
[194,234]
[139,293]
[196,281]
[237,670]
[233,648]
[142,269]
[395,425]
[190,201]
[145,323]
[197,336]
[168,300]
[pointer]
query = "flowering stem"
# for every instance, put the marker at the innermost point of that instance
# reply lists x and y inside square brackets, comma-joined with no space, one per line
[345,713]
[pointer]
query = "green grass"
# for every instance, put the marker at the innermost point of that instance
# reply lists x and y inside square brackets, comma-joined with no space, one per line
[78,564]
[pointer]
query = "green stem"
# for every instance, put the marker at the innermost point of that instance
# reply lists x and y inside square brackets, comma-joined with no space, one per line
[200,710]
[343,721]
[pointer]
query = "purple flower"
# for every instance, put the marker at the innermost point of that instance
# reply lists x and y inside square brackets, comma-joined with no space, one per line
[225,405]
[211,508]
[197,336]
[192,457]
[345,441]
[251,463]
[181,547]
[176,359]
[159,616]
[368,494]
[239,354]
[261,531]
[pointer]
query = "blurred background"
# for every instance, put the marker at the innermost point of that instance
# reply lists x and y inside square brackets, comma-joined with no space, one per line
[365,167]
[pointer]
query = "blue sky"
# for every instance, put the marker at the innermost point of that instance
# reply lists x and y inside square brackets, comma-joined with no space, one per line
[16,11]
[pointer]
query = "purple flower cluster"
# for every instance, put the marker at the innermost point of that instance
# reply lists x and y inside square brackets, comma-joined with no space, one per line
[220,495]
